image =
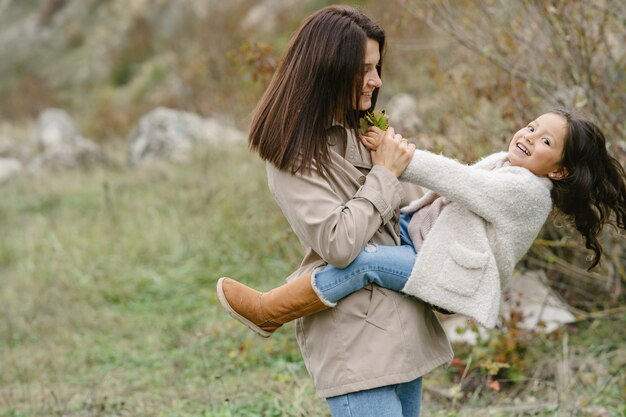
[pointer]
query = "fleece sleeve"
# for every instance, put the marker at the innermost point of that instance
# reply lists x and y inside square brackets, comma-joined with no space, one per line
[485,192]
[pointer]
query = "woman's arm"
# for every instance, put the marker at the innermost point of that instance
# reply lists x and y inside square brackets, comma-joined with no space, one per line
[326,213]
[334,228]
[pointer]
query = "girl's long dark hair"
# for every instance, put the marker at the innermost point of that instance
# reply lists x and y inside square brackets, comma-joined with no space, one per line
[594,191]
[314,86]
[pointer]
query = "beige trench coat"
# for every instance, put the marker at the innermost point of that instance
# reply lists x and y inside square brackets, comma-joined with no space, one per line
[374,337]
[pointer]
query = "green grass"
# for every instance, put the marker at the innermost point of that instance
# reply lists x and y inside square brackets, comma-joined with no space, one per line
[108,308]
[107,301]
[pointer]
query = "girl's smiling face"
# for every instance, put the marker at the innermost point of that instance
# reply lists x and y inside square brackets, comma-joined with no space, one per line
[539,146]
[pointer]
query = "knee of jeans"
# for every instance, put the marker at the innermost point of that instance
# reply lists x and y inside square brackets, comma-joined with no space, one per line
[371,248]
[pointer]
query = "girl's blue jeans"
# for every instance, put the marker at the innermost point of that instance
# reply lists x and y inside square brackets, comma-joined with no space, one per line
[386,266]
[399,400]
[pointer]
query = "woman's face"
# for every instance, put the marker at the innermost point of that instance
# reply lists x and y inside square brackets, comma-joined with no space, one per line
[539,146]
[371,79]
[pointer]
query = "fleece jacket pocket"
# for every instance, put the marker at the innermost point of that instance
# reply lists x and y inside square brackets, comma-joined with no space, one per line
[463,270]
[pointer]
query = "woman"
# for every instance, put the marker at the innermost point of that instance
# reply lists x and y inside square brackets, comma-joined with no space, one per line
[367,355]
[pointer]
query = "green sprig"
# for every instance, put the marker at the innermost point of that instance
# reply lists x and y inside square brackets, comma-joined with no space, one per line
[376,118]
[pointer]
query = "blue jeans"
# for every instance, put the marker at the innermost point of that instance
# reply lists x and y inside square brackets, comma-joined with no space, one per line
[386,266]
[399,400]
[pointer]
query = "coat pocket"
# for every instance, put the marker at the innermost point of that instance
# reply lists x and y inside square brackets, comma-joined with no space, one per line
[463,270]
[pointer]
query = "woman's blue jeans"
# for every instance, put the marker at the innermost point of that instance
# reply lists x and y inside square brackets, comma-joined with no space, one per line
[399,400]
[386,266]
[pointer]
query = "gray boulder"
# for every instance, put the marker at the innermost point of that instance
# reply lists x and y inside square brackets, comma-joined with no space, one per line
[9,168]
[172,135]
[60,144]
[55,129]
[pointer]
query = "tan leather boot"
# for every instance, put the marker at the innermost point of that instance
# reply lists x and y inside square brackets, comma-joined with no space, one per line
[264,312]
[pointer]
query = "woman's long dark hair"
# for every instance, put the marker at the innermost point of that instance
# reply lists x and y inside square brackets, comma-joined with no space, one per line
[315,85]
[594,191]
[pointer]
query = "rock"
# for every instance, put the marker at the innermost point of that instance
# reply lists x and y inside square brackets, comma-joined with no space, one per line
[459,329]
[527,295]
[168,134]
[403,114]
[536,302]
[61,145]
[82,153]
[9,168]
[55,129]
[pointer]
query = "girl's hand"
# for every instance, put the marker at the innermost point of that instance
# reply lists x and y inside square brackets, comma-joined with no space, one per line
[372,138]
[393,152]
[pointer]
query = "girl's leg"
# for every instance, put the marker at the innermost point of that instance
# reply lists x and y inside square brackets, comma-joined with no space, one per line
[400,400]
[405,239]
[265,312]
[386,266]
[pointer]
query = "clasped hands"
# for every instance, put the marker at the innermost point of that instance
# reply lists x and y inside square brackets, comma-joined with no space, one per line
[389,149]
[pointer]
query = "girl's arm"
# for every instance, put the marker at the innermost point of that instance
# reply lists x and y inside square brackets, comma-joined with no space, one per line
[484,191]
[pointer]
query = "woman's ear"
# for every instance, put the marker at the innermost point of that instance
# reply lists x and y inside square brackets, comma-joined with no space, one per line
[558,174]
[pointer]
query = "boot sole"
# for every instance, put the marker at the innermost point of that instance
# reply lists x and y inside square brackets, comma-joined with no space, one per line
[235,315]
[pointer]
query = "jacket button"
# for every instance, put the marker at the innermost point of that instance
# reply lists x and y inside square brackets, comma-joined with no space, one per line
[361,180]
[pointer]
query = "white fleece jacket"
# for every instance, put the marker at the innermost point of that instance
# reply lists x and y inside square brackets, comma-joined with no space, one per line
[495,213]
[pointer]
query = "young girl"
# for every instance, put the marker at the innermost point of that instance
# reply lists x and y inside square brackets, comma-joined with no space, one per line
[473,226]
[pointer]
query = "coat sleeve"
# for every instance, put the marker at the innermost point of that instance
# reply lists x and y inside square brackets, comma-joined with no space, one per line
[485,192]
[337,230]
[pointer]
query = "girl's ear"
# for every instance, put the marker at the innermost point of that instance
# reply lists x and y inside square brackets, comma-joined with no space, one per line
[558,174]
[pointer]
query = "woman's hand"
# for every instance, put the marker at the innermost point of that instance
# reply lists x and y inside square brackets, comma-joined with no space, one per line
[372,138]
[393,152]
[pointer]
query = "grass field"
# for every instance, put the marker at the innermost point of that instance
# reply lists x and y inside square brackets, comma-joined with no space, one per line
[108,308]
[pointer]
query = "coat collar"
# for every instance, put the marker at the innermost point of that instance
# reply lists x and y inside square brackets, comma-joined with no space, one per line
[343,142]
